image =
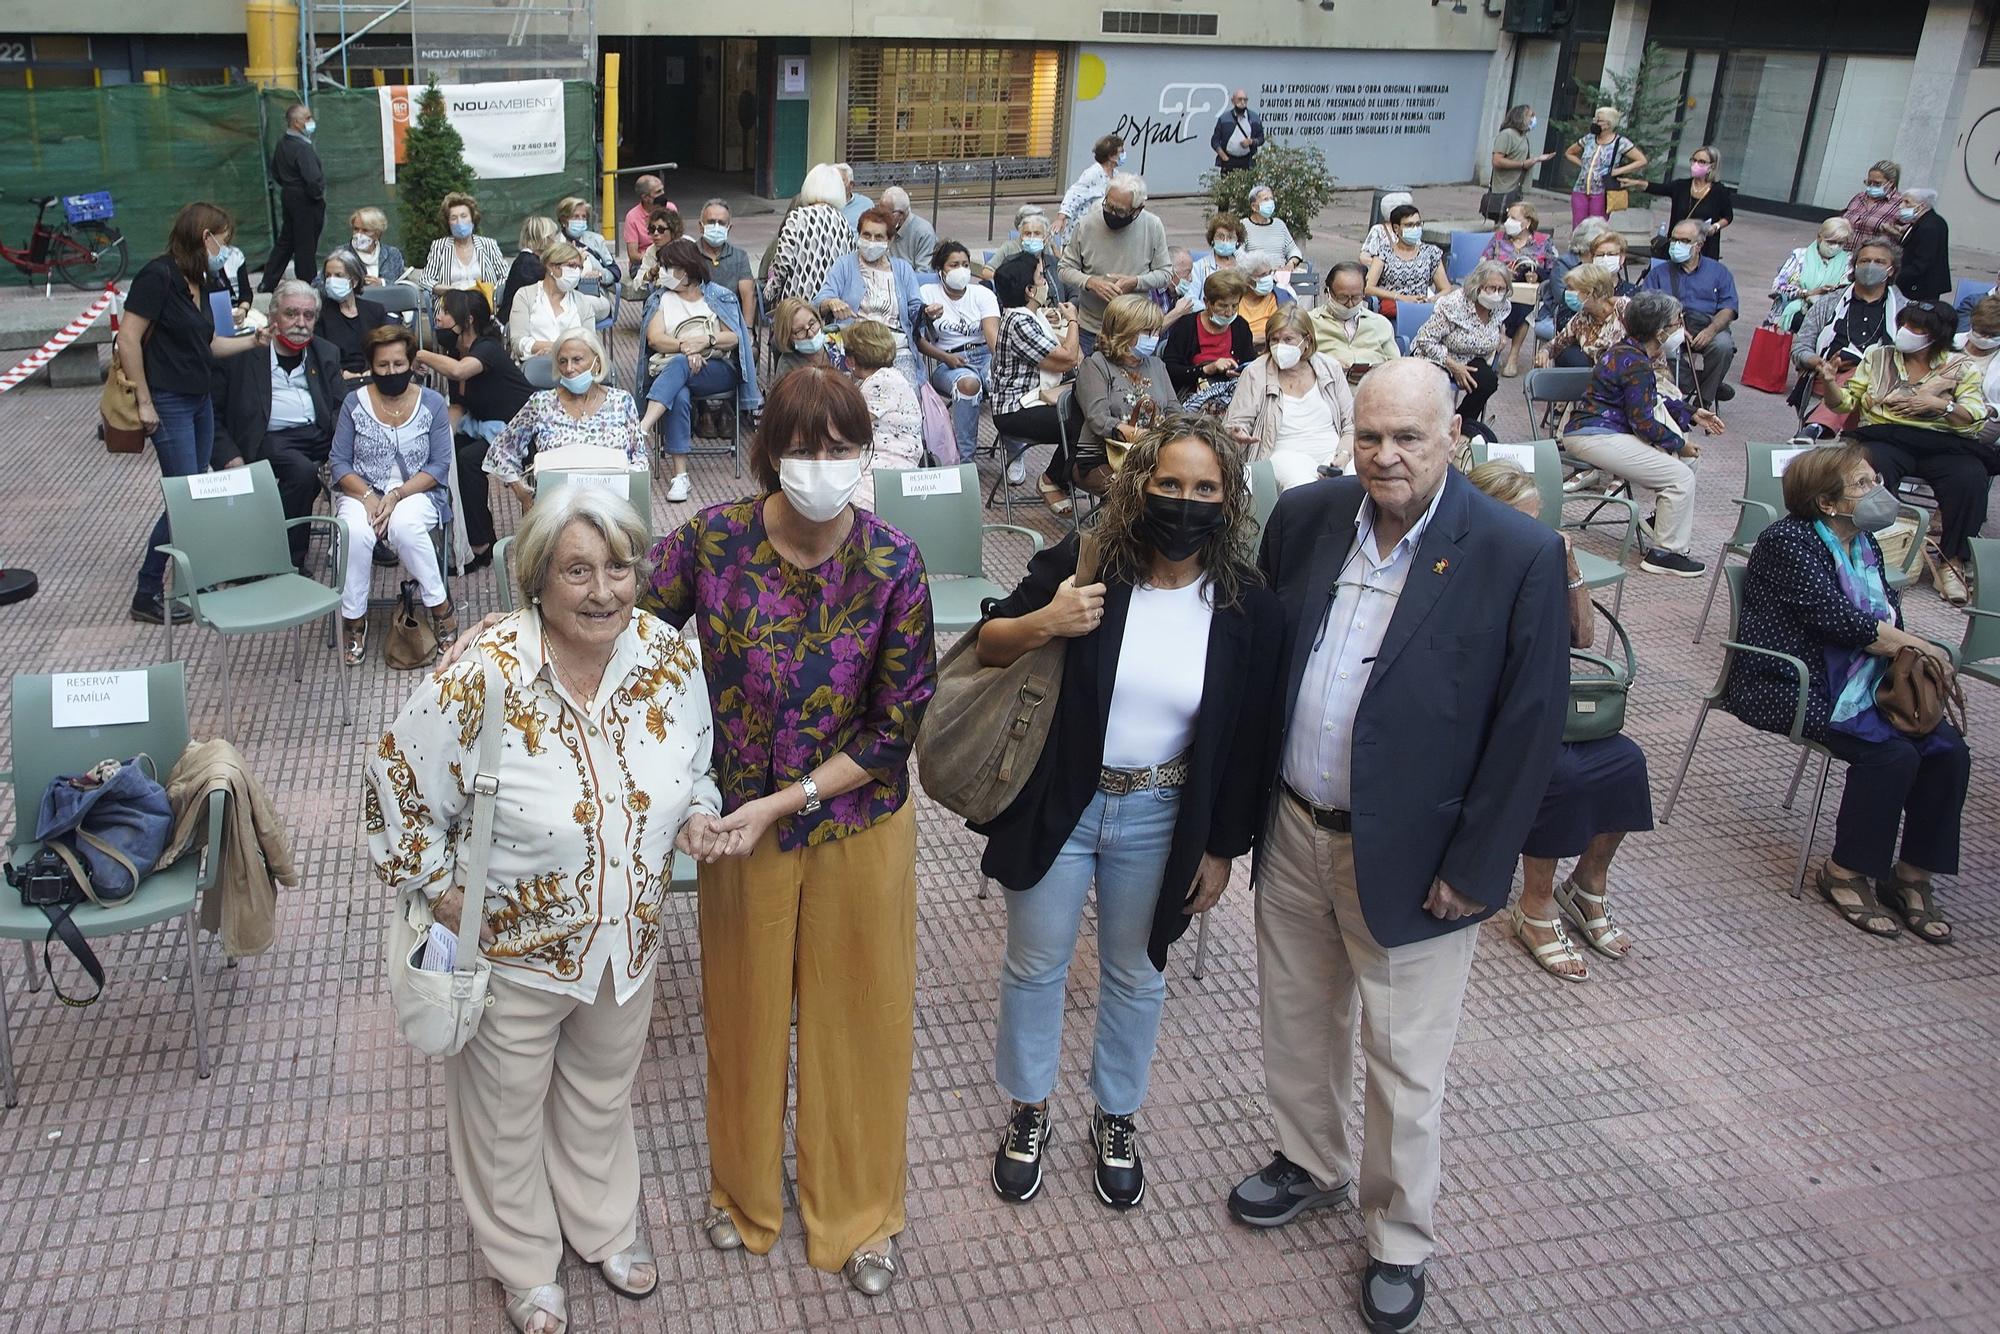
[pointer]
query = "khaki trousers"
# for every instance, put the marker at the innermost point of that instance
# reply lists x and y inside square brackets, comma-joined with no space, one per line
[539,1115]
[835,926]
[1315,962]
[1667,476]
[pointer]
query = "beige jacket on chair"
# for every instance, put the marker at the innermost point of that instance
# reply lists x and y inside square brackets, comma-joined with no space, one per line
[257,855]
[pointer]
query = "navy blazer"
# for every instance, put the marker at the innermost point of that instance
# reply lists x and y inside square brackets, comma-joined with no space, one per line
[1457,730]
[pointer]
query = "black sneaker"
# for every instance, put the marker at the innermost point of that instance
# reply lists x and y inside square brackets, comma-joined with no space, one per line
[151,608]
[1724,392]
[1017,1166]
[1392,1296]
[1121,1177]
[1659,561]
[1280,1193]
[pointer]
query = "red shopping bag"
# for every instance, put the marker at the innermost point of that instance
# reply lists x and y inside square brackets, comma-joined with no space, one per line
[1769,365]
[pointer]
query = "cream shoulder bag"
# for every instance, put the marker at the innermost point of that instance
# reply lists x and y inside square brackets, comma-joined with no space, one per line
[436,1011]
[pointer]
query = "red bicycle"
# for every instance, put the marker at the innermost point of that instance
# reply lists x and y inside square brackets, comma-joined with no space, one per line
[84,247]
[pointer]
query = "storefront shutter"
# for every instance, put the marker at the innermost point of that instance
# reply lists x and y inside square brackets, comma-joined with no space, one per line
[968,108]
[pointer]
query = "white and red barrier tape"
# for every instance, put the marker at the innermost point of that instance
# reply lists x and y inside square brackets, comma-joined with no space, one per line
[68,334]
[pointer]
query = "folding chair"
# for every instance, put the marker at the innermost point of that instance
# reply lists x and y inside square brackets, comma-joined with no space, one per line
[540,371]
[1554,388]
[1463,256]
[633,484]
[938,509]
[1756,509]
[401,300]
[1979,652]
[1541,460]
[44,752]
[1410,317]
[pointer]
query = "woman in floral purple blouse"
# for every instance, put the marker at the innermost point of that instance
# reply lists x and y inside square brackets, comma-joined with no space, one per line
[815,626]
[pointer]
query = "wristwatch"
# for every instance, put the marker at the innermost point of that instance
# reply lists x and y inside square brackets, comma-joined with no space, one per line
[811,789]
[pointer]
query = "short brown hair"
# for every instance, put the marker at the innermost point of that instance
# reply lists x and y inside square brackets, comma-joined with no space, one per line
[1225,285]
[1226,222]
[452,201]
[877,214]
[811,401]
[1110,146]
[870,344]
[683,254]
[384,334]
[1818,475]
[784,315]
[1125,318]
[1986,316]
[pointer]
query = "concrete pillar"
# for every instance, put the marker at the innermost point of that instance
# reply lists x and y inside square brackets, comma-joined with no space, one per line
[1493,108]
[1625,45]
[1948,51]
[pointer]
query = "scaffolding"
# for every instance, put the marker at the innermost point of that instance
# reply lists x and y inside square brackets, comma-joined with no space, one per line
[342,42]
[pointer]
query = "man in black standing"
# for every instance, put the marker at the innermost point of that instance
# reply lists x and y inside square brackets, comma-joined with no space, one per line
[1239,133]
[301,201]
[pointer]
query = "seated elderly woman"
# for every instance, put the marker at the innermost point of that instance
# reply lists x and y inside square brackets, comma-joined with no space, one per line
[1266,231]
[1031,224]
[1228,243]
[1260,270]
[1463,335]
[1811,271]
[1122,389]
[1979,343]
[872,284]
[695,351]
[461,257]
[801,340]
[380,262]
[1039,346]
[1214,346]
[892,405]
[1408,268]
[1292,405]
[390,468]
[1596,321]
[573,224]
[1921,409]
[540,1126]
[1597,795]
[544,309]
[1815,590]
[537,234]
[1383,234]
[346,317]
[1550,313]
[580,410]
[1633,424]
[1524,252]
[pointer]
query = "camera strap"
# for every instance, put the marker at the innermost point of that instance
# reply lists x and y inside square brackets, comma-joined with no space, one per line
[61,927]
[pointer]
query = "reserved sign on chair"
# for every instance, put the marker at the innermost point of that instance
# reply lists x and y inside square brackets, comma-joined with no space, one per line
[98,699]
[932,482]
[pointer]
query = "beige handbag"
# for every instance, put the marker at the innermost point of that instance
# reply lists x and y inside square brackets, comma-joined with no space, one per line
[437,1012]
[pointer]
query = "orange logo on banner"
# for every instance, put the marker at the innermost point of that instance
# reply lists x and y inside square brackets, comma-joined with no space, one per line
[399,117]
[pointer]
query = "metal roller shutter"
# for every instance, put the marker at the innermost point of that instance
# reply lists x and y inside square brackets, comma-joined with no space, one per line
[967,108]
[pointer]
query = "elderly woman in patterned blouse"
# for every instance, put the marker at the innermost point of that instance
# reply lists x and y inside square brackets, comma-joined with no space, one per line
[1464,334]
[580,410]
[604,767]
[815,624]
[1596,322]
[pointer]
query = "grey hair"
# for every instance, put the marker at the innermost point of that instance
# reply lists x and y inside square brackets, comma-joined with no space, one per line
[1921,197]
[1021,222]
[846,172]
[1026,211]
[1483,270]
[612,516]
[717,202]
[894,198]
[1647,313]
[1261,189]
[1838,230]
[1893,170]
[1177,253]
[294,287]
[1125,180]
[1701,229]
[1256,263]
[1585,234]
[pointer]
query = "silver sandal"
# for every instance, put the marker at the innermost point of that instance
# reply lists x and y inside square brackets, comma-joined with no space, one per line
[723,1234]
[523,1305]
[617,1270]
[871,1272]
[1594,922]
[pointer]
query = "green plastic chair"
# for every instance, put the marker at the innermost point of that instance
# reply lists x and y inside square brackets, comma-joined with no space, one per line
[1762,501]
[1979,652]
[239,540]
[946,528]
[1597,571]
[42,753]
[1263,491]
[638,490]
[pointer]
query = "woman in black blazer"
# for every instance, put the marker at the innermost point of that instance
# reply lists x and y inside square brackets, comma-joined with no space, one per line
[1190,365]
[1815,590]
[1700,195]
[1151,781]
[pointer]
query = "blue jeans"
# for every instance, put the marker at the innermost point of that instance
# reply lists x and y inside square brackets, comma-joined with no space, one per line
[183,444]
[1121,842]
[675,389]
[1086,341]
[964,409]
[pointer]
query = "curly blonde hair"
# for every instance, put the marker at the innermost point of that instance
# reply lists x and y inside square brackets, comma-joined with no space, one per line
[1227,555]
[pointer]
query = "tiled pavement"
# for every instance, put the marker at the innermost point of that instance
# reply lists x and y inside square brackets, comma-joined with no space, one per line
[1764,1120]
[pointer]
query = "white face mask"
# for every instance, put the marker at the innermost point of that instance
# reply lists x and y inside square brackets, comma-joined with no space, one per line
[1494,300]
[958,279]
[1609,263]
[819,489]
[1512,226]
[673,280]
[1286,355]
[1828,249]
[1344,312]
[363,241]
[1672,346]
[1981,343]
[568,278]
[1909,340]
[873,250]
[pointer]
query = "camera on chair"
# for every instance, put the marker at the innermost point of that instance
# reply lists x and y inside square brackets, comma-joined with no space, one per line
[45,882]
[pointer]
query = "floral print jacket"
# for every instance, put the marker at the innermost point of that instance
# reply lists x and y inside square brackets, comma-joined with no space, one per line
[804,665]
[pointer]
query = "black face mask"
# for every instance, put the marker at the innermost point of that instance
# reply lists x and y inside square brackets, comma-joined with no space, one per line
[1176,527]
[1118,222]
[447,340]
[393,386]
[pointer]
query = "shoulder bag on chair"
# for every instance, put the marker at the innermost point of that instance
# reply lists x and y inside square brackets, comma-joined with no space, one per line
[985,728]
[438,1011]
[1597,695]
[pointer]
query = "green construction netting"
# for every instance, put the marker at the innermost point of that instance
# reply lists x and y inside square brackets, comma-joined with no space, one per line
[156,148]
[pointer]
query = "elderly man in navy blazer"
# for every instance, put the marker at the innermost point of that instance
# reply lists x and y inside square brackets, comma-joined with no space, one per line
[1427,680]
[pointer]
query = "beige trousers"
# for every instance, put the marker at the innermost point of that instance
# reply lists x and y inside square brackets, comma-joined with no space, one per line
[539,1108]
[1667,476]
[1316,964]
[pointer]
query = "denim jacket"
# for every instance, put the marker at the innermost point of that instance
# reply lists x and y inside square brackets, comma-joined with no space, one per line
[729,310]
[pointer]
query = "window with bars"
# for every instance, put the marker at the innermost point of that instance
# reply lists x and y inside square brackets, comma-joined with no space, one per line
[919,104]
[1990,55]
[1164,25]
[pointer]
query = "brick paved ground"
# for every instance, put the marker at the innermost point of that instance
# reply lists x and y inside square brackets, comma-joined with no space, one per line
[1764,1120]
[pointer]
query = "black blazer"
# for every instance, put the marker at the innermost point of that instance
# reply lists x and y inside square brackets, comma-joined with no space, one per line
[1925,274]
[1221,804]
[243,399]
[1458,726]
[296,170]
[1179,352]
[1719,204]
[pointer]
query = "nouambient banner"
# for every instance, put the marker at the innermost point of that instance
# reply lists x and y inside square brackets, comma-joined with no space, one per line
[510,129]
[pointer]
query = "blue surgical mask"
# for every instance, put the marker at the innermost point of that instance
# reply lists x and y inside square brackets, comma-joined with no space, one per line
[576,227]
[338,289]
[715,233]
[310,127]
[1906,214]
[1533,121]
[579,383]
[1224,249]
[1122,155]
[217,260]
[1413,235]
[1680,252]
[1268,207]
[1034,245]
[1147,344]
[1876,191]
[1264,286]
[807,347]
[1184,287]
[1572,300]
[461,230]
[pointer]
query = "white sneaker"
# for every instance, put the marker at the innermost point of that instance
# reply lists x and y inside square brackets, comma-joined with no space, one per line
[1017,472]
[679,489]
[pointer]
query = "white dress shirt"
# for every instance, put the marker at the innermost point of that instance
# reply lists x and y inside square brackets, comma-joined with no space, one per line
[592,793]
[291,401]
[1319,748]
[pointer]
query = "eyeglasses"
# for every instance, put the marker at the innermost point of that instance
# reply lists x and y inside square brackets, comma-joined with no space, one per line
[1864,485]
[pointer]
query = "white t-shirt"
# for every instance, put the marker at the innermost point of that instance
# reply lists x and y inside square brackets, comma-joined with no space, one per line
[959,324]
[1161,665]
[674,311]
[1305,424]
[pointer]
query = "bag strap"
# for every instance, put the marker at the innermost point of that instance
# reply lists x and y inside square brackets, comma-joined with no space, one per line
[485,791]
[1086,558]
[61,927]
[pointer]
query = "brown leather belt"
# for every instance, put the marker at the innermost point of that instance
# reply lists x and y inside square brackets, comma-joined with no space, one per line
[1326,817]
[1123,782]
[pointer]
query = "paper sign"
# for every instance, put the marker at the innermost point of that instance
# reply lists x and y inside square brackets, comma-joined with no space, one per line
[98,699]
[228,482]
[1782,459]
[795,74]
[1521,456]
[932,482]
[614,482]
[510,129]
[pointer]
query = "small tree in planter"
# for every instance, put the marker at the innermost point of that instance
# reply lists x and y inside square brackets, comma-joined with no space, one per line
[433,167]
[1648,100]
[1298,179]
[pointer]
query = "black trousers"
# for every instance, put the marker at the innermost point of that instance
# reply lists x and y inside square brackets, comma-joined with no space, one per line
[1485,380]
[295,454]
[474,489]
[1573,356]
[1040,425]
[1890,782]
[1944,460]
[297,244]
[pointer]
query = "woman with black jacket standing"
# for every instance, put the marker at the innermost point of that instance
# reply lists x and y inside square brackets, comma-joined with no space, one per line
[1700,195]
[1149,784]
